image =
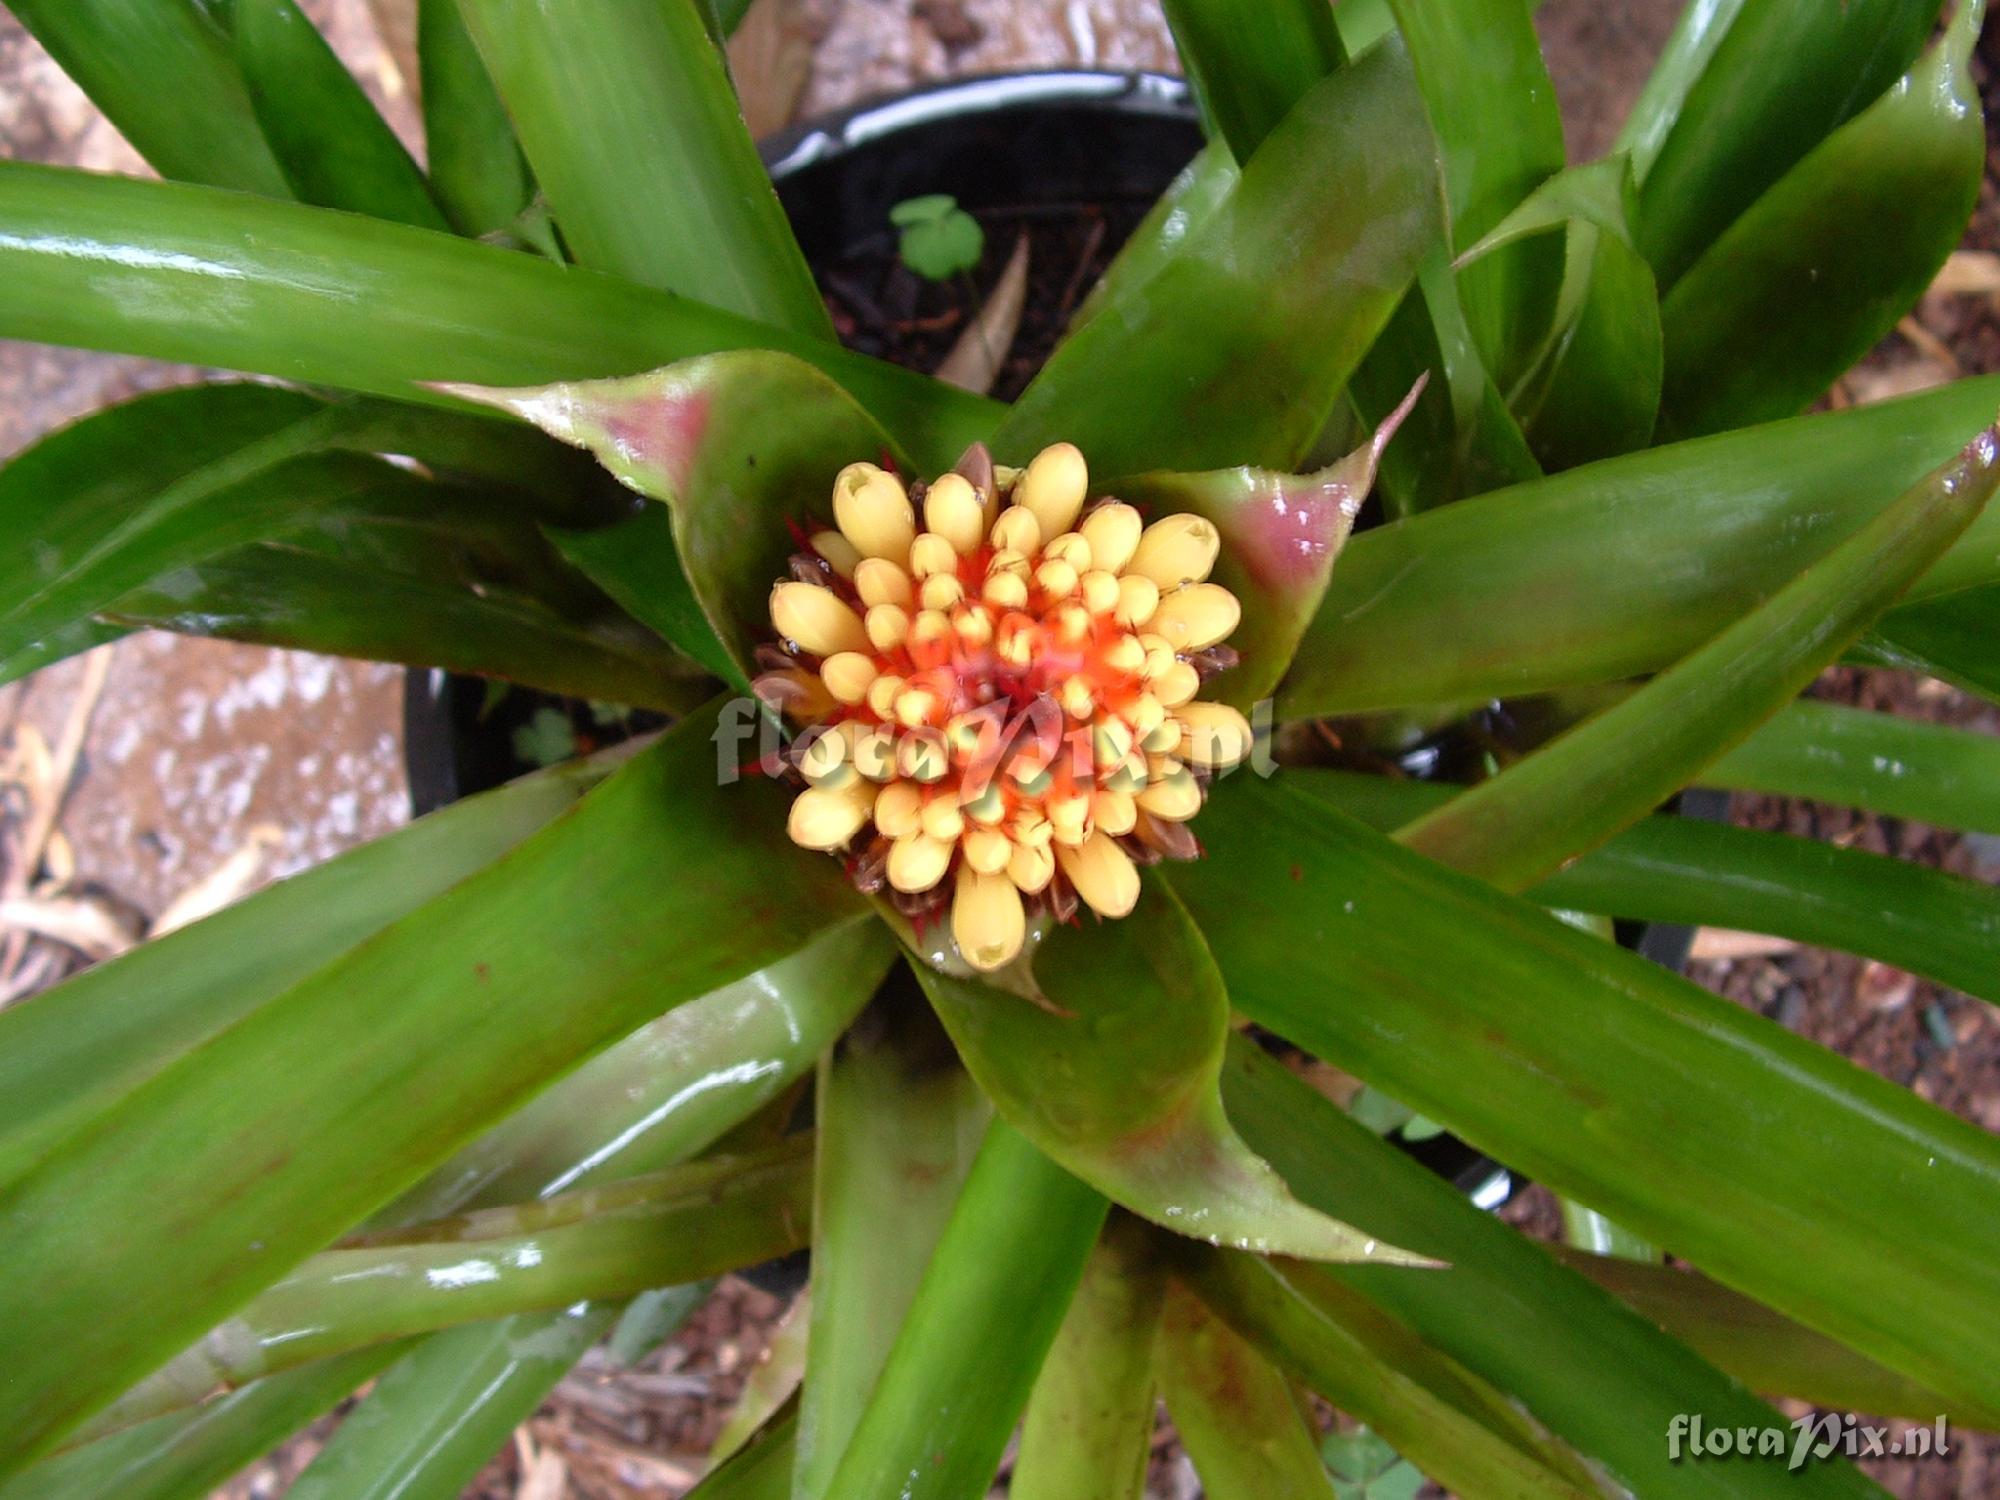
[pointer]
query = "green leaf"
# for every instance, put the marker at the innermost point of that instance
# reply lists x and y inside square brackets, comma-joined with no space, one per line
[638,563]
[762,1471]
[1281,535]
[772,1386]
[1692,872]
[668,1091]
[1823,265]
[440,1412]
[1233,1410]
[1105,1050]
[1250,63]
[899,1126]
[333,1098]
[224,279]
[1234,350]
[941,247]
[599,1243]
[333,147]
[80,1047]
[163,73]
[628,118]
[1592,388]
[477,171]
[129,527]
[1616,569]
[1449,1423]
[186,1455]
[1088,1430]
[1191,199]
[1774,1165]
[1500,132]
[1574,793]
[983,1319]
[1366,1468]
[415,602]
[1765,1350]
[1949,637]
[740,447]
[1746,91]
[1830,753]
[1576,1360]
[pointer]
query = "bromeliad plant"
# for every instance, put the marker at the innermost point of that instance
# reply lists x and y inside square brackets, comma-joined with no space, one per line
[449,1109]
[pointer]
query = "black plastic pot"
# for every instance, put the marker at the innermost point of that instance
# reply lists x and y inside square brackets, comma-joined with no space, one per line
[1029,142]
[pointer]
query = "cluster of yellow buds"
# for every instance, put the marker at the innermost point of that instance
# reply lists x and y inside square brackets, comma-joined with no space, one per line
[1008,694]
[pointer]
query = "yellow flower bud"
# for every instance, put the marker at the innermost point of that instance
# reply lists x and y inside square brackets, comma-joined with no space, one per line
[1071,548]
[838,551]
[987,850]
[847,675]
[888,626]
[987,921]
[1175,550]
[880,581]
[1176,797]
[917,862]
[1104,876]
[1113,533]
[1005,591]
[875,753]
[1056,578]
[899,810]
[817,620]
[1017,530]
[825,759]
[1100,591]
[1138,597]
[1197,616]
[1030,867]
[943,820]
[1177,684]
[931,554]
[940,592]
[1214,735]
[921,756]
[1053,488]
[952,510]
[1114,813]
[873,511]
[827,817]
[883,693]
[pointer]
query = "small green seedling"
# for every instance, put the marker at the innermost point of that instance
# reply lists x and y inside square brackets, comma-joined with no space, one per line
[940,240]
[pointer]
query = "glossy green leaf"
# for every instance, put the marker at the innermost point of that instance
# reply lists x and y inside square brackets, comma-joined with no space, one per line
[1441,1417]
[475,1385]
[1088,1430]
[1701,874]
[135,523]
[1592,387]
[187,1454]
[1500,132]
[415,600]
[983,1319]
[80,1047]
[1570,795]
[211,278]
[899,1126]
[333,147]
[1195,194]
[1747,90]
[1765,1350]
[1234,1411]
[1579,1362]
[1281,535]
[330,1100]
[476,168]
[1250,62]
[1827,261]
[1234,350]
[1832,753]
[638,563]
[628,118]
[598,1243]
[763,1471]
[1774,1165]
[1104,1048]
[739,447]
[1950,637]
[164,74]
[668,1091]
[1615,569]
